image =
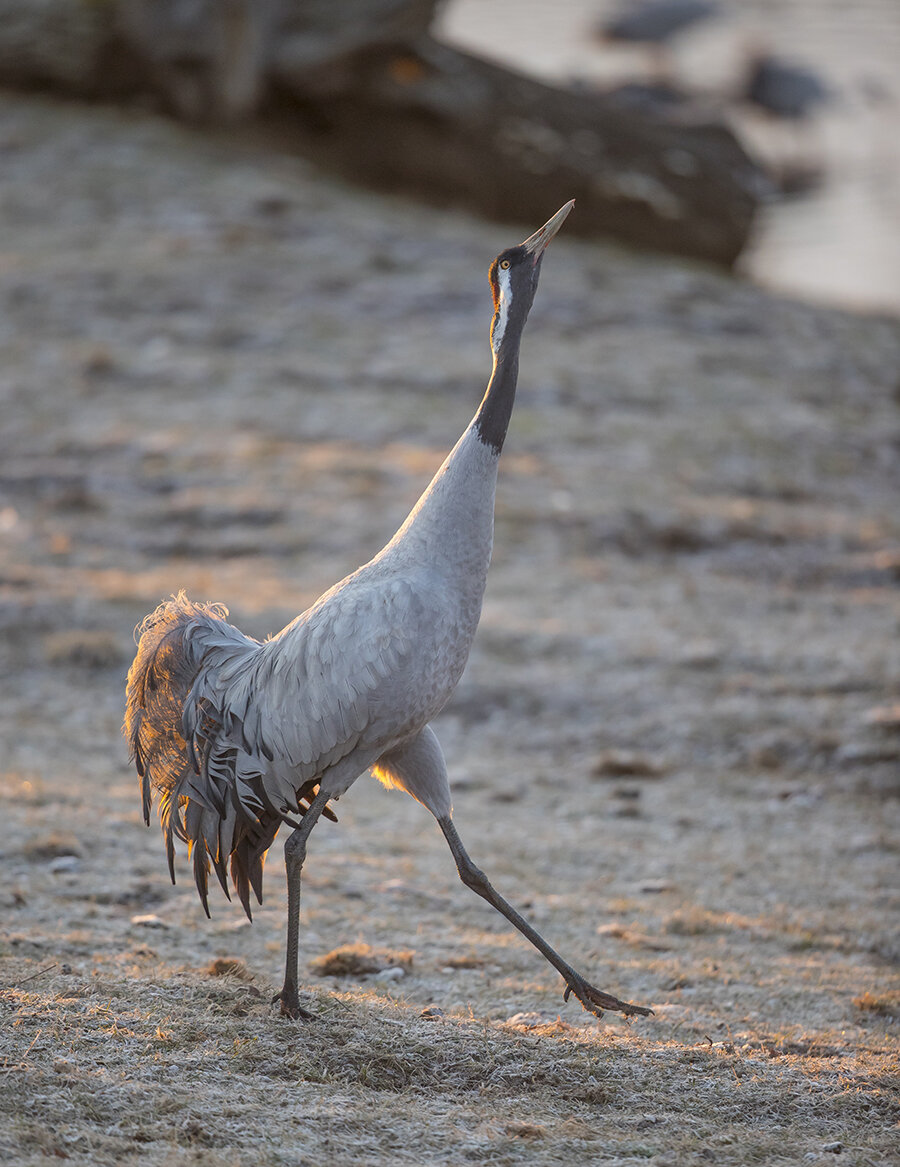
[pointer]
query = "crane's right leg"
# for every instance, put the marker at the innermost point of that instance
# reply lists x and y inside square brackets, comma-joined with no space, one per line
[294,855]
[593,1000]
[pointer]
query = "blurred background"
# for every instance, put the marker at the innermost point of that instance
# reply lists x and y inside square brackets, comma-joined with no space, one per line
[837,239]
[757,134]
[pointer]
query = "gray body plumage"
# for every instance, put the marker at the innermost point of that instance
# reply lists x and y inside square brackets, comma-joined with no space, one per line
[346,686]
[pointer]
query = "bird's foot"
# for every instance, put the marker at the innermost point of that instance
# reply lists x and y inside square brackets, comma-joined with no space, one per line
[595,1001]
[290,1004]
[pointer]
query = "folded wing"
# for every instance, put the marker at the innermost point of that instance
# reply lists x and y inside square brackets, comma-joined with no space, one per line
[233,734]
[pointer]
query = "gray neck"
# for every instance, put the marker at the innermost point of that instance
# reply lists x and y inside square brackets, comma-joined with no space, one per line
[453,521]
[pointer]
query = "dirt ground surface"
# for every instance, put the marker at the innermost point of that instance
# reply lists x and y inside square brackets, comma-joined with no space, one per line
[676,745]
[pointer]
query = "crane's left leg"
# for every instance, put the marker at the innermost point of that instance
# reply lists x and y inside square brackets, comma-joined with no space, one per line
[294,855]
[593,1000]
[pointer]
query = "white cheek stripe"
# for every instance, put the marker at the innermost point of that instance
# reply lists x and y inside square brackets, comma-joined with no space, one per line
[502,308]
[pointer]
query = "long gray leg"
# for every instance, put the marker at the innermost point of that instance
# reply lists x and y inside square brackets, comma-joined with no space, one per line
[294,855]
[592,999]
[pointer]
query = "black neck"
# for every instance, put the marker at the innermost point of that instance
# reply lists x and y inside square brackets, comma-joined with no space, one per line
[492,418]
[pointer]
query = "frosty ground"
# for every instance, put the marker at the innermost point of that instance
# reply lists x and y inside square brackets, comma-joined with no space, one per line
[675,747]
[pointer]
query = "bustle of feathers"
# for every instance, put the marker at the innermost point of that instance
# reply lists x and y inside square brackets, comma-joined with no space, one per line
[192,750]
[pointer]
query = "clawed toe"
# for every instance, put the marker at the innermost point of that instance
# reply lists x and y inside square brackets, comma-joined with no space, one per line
[595,1001]
[291,1007]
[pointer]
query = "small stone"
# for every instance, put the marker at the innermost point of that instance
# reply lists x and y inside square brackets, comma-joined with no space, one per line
[98,361]
[390,974]
[526,1020]
[655,887]
[64,864]
[702,654]
[885,717]
[149,921]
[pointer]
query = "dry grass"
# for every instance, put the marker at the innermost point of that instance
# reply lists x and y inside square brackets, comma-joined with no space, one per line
[187,1063]
[886,1004]
[228,966]
[626,764]
[357,960]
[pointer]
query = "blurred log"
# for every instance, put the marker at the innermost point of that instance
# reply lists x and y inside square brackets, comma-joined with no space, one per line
[205,59]
[424,118]
[360,86]
[54,44]
[316,32]
[210,58]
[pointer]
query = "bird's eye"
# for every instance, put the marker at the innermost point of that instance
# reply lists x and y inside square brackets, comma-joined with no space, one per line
[504,263]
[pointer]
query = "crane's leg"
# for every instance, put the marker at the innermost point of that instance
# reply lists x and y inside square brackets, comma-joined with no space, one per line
[593,1000]
[294,854]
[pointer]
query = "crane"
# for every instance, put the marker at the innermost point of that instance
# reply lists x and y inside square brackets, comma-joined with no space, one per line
[654,24]
[783,89]
[655,21]
[237,737]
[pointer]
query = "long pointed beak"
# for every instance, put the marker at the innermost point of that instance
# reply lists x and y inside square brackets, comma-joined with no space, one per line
[536,244]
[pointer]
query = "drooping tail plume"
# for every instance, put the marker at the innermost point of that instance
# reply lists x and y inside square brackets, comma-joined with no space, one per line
[189,750]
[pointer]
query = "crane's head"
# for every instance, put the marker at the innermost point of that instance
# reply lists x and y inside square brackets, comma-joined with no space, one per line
[514,280]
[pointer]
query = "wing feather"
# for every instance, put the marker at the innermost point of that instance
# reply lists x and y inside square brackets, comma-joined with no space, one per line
[233,734]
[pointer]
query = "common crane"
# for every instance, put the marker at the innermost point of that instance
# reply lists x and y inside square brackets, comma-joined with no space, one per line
[655,21]
[782,89]
[236,736]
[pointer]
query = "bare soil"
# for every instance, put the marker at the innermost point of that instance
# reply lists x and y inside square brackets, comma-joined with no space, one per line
[676,745]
